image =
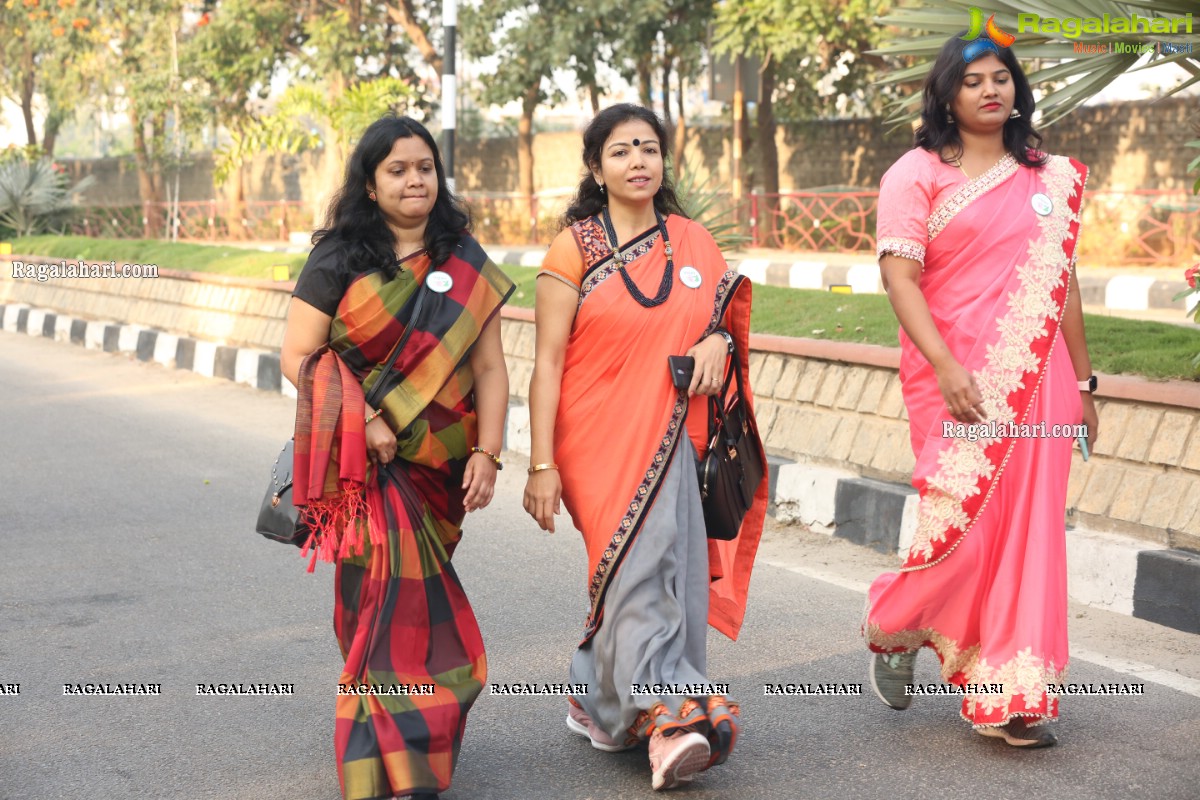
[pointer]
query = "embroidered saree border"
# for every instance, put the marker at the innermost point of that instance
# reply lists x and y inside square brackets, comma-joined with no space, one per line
[968,472]
[969,192]
[1024,675]
[900,246]
[631,522]
[598,255]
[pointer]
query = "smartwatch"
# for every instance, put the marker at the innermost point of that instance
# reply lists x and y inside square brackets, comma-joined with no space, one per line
[1089,385]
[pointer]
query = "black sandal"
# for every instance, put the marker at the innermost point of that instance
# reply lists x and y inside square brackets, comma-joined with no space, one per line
[1019,734]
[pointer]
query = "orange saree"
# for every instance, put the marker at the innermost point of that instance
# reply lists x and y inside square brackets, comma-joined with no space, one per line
[628,473]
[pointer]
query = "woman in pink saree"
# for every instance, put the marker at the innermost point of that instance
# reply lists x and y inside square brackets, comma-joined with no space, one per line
[976,238]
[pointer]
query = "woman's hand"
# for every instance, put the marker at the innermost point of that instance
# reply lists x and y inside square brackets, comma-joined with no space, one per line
[711,355]
[1091,419]
[381,442]
[480,481]
[543,495]
[960,392]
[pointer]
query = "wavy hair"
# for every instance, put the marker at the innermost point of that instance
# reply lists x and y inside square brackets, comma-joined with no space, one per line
[589,200]
[354,222]
[937,134]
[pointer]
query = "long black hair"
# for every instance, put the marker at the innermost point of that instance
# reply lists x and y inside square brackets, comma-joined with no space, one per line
[589,200]
[354,222]
[938,134]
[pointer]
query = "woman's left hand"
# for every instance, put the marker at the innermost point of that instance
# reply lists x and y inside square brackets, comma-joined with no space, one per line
[711,355]
[479,481]
[1091,419]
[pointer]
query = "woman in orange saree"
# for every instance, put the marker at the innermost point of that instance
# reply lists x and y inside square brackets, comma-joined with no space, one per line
[977,234]
[628,283]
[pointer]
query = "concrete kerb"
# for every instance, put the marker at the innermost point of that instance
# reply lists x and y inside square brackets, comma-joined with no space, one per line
[1105,570]
[1103,287]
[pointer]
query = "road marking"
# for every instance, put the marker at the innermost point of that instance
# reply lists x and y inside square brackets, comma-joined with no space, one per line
[1137,669]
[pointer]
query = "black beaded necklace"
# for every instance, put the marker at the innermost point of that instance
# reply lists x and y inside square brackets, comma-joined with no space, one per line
[668,278]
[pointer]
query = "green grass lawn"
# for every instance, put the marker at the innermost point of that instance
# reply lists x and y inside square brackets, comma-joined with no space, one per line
[1153,349]
[185,256]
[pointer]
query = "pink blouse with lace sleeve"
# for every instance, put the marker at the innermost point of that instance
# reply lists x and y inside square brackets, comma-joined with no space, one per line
[906,194]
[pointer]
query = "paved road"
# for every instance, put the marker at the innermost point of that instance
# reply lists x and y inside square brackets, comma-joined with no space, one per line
[126,499]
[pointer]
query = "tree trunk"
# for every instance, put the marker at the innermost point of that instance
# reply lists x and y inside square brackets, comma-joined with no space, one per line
[680,129]
[147,188]
[769,158]
[27,84]
[666,88]
[333,157]
[53,124]
[749,173]
[643,79]
[50,138]
[594,95]
[529,104]
[404,14]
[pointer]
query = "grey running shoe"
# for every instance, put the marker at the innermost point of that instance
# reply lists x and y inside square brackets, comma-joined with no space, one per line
[1018,734]
[891,674]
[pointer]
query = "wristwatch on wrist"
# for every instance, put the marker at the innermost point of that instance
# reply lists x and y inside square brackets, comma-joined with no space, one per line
[1089,385]
[728,337]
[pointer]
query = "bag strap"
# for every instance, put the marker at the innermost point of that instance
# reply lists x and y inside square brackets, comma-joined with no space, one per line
[422,292]
[717,408]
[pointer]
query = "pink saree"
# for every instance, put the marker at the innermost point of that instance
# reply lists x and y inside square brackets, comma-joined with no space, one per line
[984,582]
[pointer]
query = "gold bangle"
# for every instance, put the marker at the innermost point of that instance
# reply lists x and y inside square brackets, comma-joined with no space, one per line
[540,467]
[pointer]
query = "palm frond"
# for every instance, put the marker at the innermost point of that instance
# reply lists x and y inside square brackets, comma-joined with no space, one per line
[32,193]
[710,208]
[926,28]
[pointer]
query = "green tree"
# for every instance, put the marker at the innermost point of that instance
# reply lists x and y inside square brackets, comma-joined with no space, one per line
[821,43]
[238,47]
[528,43]
[149,69]
[47,52]
[656,42]
[1068,82]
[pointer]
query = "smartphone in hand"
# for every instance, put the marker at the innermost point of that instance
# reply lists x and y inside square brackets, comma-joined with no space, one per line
[681,368]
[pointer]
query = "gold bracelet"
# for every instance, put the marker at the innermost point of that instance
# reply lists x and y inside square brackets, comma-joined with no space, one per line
[540,467]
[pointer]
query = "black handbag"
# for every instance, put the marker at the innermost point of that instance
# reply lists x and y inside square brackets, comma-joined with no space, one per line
[278,517]
[732,469]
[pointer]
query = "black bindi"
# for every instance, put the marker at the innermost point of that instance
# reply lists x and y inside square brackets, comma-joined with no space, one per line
[636,142]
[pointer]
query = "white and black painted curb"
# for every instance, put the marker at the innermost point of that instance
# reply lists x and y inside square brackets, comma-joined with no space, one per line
[1129,292]
[1107,571]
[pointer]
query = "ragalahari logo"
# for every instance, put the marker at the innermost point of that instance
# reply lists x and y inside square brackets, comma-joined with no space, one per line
[993,40]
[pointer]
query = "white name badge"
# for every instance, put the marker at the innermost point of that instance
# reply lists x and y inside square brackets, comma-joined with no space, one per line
[439,282]
[1042,204]
[690,276]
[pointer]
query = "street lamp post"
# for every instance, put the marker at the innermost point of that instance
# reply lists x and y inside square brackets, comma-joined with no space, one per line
[449,88]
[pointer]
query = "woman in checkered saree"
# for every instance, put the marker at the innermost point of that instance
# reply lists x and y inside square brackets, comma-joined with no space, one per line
[387,487]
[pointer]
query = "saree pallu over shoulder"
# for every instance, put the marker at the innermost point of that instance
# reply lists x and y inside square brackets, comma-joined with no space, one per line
[1003,334]
[620,418]
[374,313]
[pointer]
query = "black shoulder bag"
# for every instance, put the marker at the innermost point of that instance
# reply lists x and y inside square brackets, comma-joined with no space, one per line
[279,518]
[731,471]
